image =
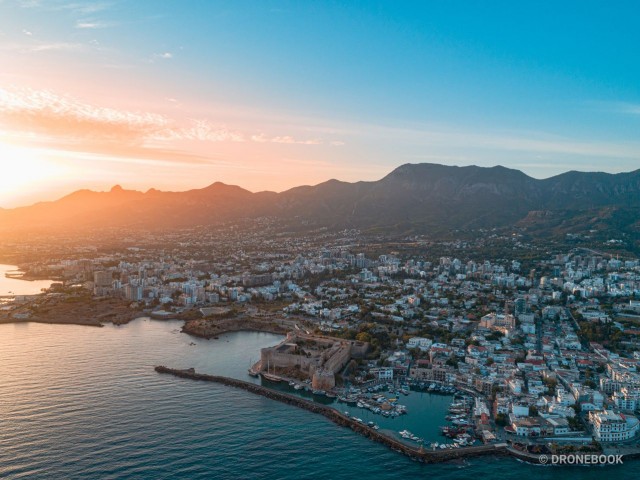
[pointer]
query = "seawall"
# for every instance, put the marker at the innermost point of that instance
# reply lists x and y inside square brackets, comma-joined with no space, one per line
[427,456]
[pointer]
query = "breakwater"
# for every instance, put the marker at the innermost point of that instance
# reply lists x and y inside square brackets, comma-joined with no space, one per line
[419,454]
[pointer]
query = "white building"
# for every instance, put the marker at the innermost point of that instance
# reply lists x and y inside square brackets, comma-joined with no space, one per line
[609,426]
[383,373]
[627,398]
[419,342]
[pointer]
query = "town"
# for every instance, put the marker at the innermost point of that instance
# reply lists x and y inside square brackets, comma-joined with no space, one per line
[541,347]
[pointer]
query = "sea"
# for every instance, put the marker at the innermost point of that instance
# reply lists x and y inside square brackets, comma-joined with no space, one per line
[85,402]
[15,286]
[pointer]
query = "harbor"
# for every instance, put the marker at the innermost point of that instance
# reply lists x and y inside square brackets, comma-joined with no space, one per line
[417,452]
[431,415]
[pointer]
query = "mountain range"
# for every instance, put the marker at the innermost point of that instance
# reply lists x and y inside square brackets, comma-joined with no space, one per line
[417,198]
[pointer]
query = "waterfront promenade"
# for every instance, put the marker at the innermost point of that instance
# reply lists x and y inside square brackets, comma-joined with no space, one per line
[419,454]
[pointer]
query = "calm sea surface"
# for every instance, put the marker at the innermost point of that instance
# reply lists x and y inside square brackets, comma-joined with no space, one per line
[11,286]
[83,402]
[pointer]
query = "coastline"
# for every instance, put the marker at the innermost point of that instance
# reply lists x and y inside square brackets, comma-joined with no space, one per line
[212,328]
[418,454]
[78,310]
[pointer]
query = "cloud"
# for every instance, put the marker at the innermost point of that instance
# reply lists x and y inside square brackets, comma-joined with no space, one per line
[56,5]
[58,46]
[42,47]
[202,130]
[165,55]
[624,108]
[27,33]
[630,108]
[47,113]
[287,139]
[47,119]
[93,24]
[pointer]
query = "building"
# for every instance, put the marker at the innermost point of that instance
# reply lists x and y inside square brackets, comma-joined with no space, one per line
[419,342]
[502,322]
[133,292]
[560,425]
[102,282]
[318,357]
[383,374]
[528,426]
[609,426]
[627,398]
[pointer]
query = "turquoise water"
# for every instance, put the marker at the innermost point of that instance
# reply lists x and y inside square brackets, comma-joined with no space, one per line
[82,402]
[426,413]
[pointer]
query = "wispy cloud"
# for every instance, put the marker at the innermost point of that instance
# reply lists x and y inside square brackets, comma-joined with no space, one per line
[262,138]
[54,120]
[624,108]
[48,113]
[58,5]
[42,47]
[58,46]
[630,108]
[202,130]
[159,56]
[93,24]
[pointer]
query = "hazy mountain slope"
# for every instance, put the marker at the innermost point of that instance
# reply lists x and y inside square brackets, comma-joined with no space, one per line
[413,197]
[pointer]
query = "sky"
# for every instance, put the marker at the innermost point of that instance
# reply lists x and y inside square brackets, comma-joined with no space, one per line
[268,95]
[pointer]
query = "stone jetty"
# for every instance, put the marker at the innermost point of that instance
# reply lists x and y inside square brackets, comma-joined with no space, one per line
[419,454]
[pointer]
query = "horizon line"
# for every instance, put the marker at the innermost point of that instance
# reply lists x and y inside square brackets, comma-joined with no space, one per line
[118,186]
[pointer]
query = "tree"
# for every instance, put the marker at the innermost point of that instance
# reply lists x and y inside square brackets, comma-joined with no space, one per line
[453,362]
[363,337]
[502,419]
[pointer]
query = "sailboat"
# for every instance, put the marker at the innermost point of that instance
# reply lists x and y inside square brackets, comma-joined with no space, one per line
[272,377]
[251,371]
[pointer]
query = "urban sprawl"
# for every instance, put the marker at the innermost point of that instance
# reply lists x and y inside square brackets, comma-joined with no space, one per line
[542,348]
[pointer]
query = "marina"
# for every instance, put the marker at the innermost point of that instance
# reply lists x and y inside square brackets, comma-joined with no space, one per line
[431,415]
[434,455]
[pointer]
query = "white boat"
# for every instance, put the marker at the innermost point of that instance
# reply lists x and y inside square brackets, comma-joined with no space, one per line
[271,377]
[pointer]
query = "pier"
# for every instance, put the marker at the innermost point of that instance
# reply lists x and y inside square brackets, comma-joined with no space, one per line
[419,454]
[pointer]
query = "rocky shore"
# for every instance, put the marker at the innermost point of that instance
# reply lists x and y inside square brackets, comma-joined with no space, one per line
[213,327]
[72,310]
[427,456]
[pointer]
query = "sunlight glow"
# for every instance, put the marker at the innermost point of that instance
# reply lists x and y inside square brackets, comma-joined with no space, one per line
[22,169]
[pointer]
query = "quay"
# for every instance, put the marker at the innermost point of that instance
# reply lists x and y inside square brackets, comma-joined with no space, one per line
[419,454]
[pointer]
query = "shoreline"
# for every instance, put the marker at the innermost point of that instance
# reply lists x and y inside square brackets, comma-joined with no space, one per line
[89,323]
[417,454]
[213,328]
[72,310]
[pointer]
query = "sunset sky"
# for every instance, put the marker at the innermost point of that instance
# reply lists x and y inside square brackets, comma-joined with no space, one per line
[178,94]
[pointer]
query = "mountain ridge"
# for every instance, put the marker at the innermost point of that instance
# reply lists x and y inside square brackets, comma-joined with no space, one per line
[421,197]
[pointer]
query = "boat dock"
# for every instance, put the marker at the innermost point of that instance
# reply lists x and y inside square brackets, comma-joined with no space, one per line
[419,454]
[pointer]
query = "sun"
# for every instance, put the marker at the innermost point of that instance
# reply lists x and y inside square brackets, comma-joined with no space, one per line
[22,171]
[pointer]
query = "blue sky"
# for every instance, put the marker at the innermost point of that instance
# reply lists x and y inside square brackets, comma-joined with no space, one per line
[319,90]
